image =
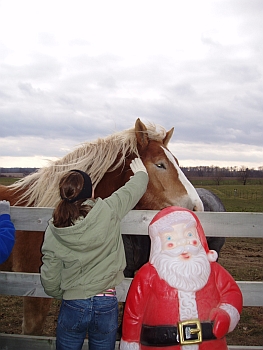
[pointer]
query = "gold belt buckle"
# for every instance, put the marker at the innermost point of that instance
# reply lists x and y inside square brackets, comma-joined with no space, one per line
[188,328]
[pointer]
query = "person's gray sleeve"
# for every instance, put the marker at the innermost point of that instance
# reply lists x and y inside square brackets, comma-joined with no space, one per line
[126,197]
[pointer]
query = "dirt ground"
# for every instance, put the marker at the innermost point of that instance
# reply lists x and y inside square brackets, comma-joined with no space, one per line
[243,258]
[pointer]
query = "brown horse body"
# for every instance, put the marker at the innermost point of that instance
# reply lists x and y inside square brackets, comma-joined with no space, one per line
[167,186]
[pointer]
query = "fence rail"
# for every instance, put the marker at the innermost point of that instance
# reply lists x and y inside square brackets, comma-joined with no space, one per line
[136,222]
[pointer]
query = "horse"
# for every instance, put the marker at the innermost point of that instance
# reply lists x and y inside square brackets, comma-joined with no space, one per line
[107,162]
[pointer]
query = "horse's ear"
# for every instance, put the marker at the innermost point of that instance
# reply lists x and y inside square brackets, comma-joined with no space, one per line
[141,133]
[168,136]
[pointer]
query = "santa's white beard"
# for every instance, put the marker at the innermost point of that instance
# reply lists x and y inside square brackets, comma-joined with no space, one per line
[183,274]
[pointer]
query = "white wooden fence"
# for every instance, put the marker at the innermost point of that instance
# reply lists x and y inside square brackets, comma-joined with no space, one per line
[223,224]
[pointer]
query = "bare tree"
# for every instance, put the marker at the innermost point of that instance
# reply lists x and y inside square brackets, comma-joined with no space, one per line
[244,174]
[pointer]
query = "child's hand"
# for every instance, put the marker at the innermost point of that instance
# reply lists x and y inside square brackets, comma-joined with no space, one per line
[4,207]
[137,165]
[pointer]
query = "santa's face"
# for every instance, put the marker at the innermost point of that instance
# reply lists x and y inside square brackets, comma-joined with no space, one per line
[179,257]
[181,239]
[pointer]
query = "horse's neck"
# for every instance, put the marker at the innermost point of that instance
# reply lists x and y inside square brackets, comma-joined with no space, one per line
[112,181]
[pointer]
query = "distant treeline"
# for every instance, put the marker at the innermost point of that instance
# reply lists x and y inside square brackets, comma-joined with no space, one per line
[213,171]
[24,171]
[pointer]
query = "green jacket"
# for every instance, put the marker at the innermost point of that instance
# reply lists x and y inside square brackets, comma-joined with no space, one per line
[83,260]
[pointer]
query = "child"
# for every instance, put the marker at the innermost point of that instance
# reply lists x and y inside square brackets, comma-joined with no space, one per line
[7,231]
[84,259]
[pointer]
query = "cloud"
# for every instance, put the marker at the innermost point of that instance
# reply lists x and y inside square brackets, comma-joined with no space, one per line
[73,73]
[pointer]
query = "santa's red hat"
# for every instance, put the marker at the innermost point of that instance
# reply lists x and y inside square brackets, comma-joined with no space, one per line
[174,215]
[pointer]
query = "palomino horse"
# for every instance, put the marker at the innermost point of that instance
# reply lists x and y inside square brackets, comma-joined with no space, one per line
[107,162]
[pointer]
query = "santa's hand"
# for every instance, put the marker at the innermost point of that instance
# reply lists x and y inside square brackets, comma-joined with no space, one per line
[125,345]
[137,165]
[221,321]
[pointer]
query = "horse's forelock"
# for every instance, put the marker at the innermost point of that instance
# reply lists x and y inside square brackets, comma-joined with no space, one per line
[156,132]
[41,188]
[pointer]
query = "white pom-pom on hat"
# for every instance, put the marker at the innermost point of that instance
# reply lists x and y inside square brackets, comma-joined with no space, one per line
[212,255]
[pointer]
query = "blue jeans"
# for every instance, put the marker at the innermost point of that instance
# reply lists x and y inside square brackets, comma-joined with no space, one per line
[97,316]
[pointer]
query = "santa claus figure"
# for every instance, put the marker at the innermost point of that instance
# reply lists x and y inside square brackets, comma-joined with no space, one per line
[182,298]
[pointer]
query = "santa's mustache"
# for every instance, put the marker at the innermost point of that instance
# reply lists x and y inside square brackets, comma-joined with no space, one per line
[181,249]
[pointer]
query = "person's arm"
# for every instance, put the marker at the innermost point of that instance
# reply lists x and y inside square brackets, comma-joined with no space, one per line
[50,272]
[126,197]
[7,231]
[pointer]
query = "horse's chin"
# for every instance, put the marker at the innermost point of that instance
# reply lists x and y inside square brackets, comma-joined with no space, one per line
[199,207]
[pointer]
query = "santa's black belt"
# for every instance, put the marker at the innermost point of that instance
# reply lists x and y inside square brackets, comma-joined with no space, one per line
[187,332]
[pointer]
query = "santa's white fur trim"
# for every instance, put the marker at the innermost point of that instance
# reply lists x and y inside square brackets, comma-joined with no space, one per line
[125,345]
[188,311]
[212,255]
[233,314]
[171,219]
[187,305]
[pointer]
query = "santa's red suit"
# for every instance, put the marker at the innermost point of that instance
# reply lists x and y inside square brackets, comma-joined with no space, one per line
[154,308]
[151,301]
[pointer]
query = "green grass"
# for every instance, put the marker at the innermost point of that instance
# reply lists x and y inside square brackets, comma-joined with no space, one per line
[239,198]
[200,182]
[7,180]
[235,196]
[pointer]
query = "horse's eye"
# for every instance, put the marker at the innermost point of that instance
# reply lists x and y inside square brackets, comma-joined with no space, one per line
[160,166]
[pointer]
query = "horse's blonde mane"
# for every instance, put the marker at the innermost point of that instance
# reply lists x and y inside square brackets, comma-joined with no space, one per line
[95,158]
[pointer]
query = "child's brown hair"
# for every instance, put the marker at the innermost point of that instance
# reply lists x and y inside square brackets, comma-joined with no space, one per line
[70,208]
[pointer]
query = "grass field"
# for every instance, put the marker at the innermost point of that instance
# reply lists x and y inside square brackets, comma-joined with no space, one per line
[243,258]
[239,198]
[7,180]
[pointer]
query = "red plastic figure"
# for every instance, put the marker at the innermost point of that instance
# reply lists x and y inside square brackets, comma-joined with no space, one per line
[182,298]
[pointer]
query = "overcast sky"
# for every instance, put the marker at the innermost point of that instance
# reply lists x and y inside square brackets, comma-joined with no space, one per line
[73,71]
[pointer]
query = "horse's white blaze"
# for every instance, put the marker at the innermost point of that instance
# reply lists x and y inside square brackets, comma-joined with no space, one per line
[191,191]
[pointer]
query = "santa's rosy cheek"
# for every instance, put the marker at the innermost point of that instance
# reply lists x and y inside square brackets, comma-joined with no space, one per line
[194,242]
[170,245]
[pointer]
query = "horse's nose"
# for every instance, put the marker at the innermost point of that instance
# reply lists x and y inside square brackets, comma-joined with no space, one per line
[194,202]
[199,206]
